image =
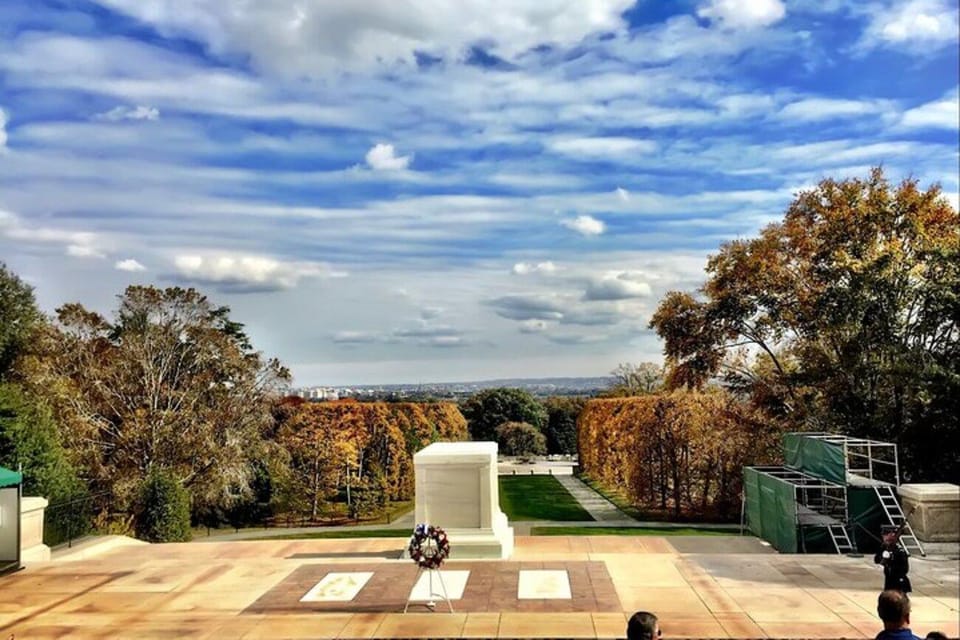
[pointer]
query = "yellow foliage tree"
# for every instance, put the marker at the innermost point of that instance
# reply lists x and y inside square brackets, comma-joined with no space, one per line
[679,454]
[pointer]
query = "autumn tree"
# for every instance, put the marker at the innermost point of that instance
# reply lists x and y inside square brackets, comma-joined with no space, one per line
[363,451]
[843,316]
[170,382]
[635,379]
[487,410]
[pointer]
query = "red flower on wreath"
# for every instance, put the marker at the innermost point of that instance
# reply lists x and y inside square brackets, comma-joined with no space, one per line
[428,546]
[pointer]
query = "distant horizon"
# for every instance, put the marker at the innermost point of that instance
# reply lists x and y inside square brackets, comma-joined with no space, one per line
[454,382]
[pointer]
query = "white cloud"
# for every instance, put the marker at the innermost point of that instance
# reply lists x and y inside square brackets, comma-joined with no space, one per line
[3,130]
[383,157]
[355,337]
[122,112]
[84,251]
[129,265]
[524,268]
[306,38]
[237,272]
[77,244]
[623,194]
[601,147]
[815,109]
[586,225]
[940,114]
[743,14]
[916,25]
[622,285]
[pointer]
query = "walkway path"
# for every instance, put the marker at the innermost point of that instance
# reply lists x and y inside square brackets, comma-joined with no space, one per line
[596,505]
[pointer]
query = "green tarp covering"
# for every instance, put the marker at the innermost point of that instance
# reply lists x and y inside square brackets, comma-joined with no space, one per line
[771,509]
[9,478]
[816,457]
[865,516]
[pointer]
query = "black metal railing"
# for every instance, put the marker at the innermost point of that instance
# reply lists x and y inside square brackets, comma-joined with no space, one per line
[65,521]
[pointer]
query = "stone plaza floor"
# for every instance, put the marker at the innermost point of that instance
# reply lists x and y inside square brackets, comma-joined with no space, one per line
[553,587]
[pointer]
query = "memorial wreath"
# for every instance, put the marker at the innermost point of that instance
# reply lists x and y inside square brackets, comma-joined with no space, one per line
[429,546]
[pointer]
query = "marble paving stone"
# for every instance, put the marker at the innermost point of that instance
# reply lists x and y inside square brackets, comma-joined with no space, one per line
[326,625]
[609,625]
[454,581]
[781,605]
[422,625]
[481,625]
[362,625]
[338,587]
[716,599]
[837,601]
[543,585]
[812,630]
[692,628]
[739,625]
[668,601]
[546,625]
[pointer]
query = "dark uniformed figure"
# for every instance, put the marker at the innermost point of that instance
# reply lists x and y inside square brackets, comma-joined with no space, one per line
[895,560]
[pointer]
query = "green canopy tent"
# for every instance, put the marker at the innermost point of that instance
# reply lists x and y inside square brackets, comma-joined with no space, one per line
[10,494]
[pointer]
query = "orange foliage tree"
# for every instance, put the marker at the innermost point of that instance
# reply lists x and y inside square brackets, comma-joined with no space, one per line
[678,454]
[334,445]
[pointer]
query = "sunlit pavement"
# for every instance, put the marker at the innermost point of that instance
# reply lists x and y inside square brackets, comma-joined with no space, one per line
[590,585]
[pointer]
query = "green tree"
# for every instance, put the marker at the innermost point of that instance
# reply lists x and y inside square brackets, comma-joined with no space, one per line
[29,440]
[163,508]
[487,410]
[521,439]
[561,431]
[19,317]
[171,382]
[844,316]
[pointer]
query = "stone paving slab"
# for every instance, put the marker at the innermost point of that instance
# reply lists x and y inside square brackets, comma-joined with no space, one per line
[252,589]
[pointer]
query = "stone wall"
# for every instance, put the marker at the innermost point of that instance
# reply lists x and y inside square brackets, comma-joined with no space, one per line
[935,510]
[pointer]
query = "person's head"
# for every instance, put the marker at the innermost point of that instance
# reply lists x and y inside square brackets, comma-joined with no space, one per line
[889,535]
[936,635]
[643,626]
[893,607]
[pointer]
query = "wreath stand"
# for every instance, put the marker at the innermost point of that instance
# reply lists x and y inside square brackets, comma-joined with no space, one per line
[429,548]
[442,596]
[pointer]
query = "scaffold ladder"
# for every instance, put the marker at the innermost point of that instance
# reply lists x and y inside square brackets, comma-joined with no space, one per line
[841,541]
[895,516]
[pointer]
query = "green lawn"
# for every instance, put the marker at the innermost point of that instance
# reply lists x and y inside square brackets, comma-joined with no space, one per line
[342,533]
[539,498]
[629,531]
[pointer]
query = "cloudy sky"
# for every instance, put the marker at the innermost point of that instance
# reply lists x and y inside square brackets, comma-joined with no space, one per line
[414,190]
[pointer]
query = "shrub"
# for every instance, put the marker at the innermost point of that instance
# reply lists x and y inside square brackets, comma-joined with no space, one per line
[521,439]
[164,509]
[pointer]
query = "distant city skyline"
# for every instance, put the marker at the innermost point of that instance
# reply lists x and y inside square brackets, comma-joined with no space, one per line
[392,192]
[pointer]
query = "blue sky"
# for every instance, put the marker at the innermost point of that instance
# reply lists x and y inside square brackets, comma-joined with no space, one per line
[403,191]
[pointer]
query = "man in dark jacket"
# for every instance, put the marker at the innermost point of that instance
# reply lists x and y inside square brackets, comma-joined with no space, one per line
[895,560]
[893,607]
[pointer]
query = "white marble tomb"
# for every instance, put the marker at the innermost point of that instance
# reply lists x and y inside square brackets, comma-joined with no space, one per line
[457,490]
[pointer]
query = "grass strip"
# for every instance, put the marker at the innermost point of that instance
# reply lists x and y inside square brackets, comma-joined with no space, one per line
[539,498]
[629,531]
